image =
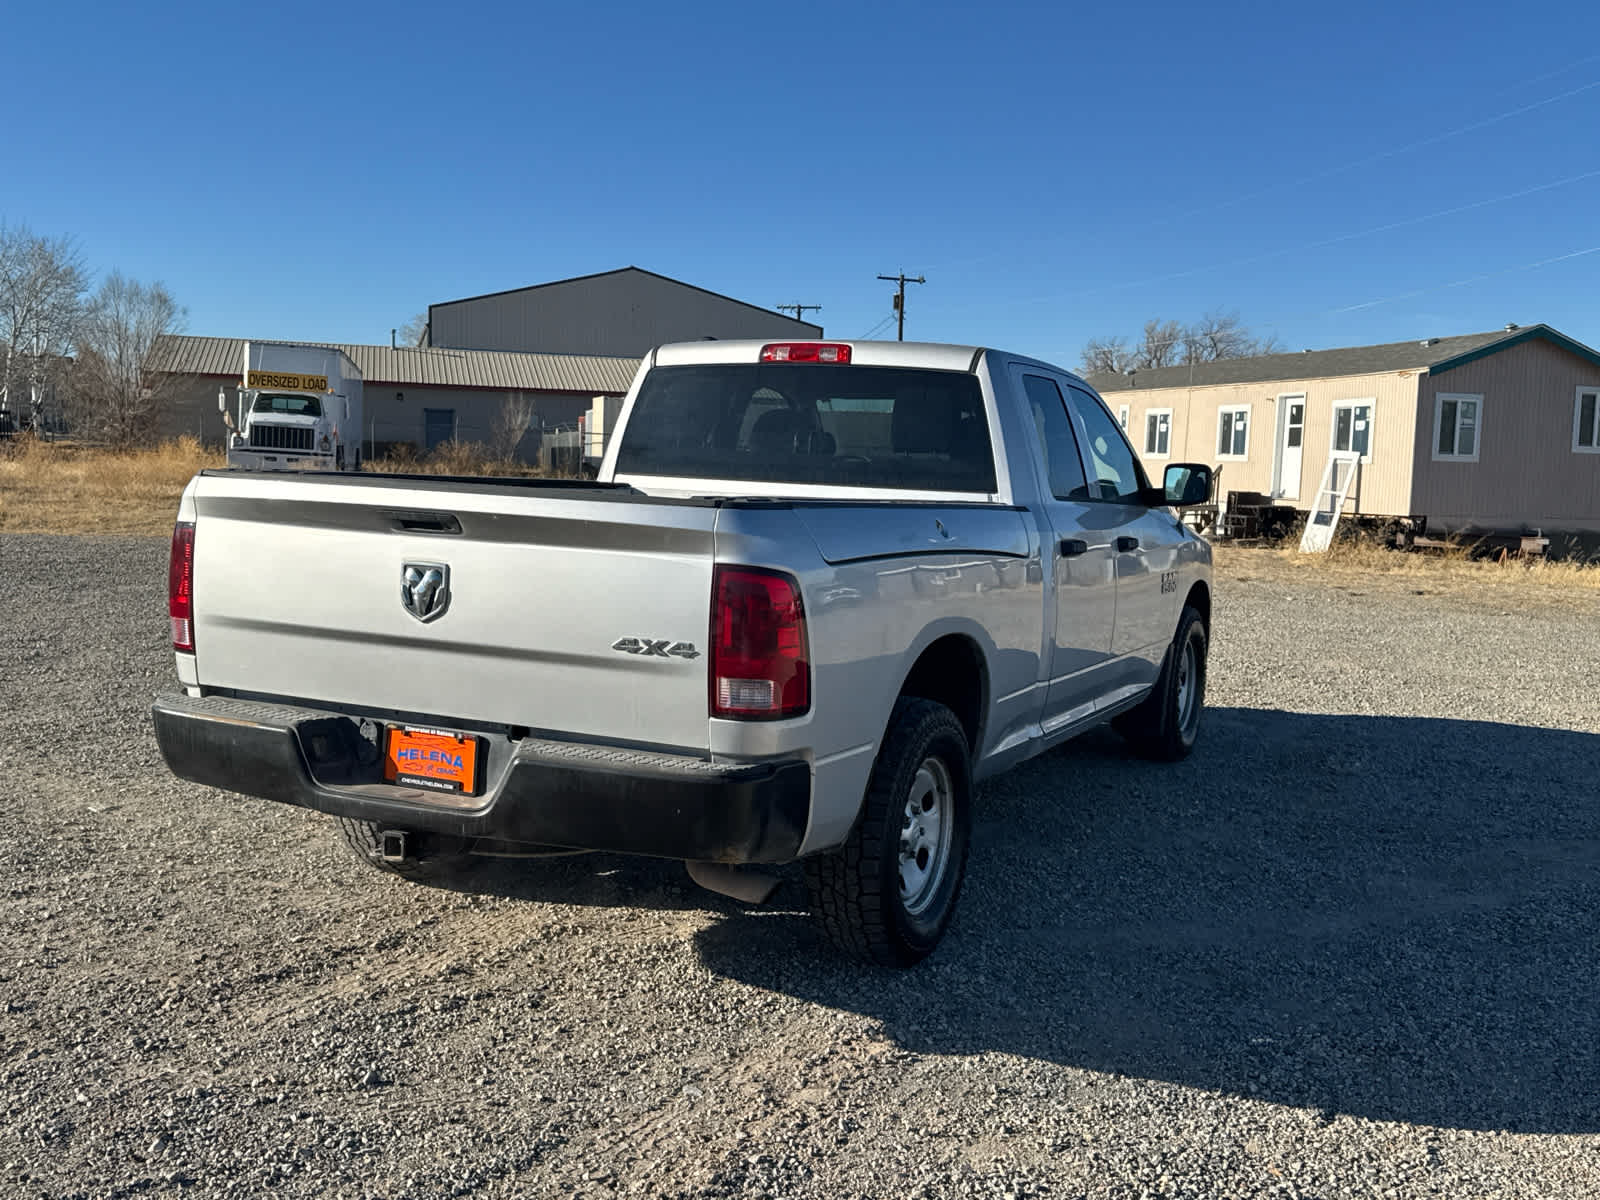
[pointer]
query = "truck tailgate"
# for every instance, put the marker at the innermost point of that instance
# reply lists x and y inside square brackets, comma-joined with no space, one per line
[298,588]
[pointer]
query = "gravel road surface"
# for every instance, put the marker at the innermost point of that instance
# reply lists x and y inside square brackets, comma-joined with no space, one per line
[1350,948]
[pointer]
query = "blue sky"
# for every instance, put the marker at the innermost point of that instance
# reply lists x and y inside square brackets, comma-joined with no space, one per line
[1367,172]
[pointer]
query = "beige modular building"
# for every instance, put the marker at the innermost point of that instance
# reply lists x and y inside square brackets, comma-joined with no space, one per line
[1484,432]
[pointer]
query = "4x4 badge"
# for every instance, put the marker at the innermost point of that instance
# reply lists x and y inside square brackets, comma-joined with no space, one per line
[656,647]
[425,589]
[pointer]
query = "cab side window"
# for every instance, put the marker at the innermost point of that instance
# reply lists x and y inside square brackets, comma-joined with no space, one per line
[1062,462]
[1115,469]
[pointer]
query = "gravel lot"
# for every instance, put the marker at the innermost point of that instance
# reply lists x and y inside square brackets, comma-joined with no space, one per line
[1351,948]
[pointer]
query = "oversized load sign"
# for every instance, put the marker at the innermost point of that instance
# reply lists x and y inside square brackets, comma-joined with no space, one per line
[289,383]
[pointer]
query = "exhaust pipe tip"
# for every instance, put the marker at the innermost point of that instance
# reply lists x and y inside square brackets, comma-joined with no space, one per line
[752,885]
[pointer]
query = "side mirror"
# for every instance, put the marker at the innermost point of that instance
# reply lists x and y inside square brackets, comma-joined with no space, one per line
[222,401]
[1187,484]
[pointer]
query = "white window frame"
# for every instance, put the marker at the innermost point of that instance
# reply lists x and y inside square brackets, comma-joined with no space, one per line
[1370,403]
[1249,422]
[1438,418]
[1577,412]
[1122,417]
[1145,439]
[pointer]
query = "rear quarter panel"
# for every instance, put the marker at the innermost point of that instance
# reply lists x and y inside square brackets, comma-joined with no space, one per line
[868,618]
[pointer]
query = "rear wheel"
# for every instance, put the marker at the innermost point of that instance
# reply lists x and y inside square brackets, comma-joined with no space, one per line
[1167,724]
[427,858]
[888,893]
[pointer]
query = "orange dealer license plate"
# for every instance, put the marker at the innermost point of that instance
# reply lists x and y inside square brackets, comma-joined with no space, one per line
[432,758]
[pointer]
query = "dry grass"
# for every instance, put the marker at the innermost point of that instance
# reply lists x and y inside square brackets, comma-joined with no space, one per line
[57,487]
[451,458]
[1374,565]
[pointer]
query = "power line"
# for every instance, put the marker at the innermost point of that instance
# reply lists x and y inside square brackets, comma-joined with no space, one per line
[1330,241]
[900,299]
[876,329]
[1432,140]
[1572,66]
[1439,287]
[798,309]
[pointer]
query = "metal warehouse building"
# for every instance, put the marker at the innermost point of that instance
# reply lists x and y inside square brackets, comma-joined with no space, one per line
[623,313]
[415,396]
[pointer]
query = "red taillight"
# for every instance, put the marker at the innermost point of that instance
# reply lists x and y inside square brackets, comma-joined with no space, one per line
[808,352]
[760,665]
[180,587]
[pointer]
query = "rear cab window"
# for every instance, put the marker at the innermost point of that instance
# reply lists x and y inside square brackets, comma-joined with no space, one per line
[1114,468]
[842,425]
[1056,440]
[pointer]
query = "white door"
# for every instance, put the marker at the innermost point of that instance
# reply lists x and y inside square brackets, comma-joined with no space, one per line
[1291,433]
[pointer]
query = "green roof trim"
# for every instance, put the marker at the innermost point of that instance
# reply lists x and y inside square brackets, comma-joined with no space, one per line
[1541,333]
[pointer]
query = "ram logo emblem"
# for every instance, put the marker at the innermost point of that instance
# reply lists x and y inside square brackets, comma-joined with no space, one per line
[425,589]
[655,647]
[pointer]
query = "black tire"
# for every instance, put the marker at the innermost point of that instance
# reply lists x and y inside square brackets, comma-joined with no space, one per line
[858,892]
[430,857]
[1167,724]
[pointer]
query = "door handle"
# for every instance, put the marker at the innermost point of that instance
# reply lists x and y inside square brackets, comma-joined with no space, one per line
[1072,547]
[1125,544]
[421,522]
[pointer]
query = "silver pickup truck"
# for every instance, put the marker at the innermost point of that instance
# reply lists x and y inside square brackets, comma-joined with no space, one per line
[817,591]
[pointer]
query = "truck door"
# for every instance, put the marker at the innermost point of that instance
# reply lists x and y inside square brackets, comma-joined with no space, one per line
[1144,543]
[1079,562]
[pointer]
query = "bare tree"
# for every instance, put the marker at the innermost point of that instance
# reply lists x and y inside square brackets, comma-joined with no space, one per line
[510,425]
[1106,356]
[413,331]
[1216,336]
[1221,335]
[42,288]
[1267,344]
[1161,345]
[112,395]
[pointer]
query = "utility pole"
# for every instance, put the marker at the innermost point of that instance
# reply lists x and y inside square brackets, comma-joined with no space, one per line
[900,299]
[799,310]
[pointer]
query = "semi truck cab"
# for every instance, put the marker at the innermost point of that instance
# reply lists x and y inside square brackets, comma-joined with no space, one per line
[290,430]
[299,408]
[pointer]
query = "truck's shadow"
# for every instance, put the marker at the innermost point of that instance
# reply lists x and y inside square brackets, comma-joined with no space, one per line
[589,881]
[1385,917]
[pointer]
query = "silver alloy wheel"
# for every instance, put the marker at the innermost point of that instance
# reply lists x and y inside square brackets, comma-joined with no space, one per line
[926,836]
[1188,688]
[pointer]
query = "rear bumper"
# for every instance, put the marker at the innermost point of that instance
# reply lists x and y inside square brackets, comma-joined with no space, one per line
[537,791]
